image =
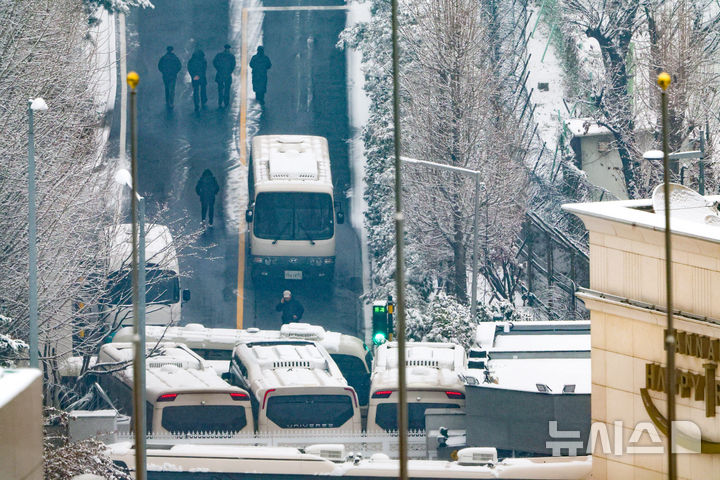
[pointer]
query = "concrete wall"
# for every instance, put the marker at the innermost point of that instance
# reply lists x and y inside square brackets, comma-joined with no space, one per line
[21,437]
[603,168]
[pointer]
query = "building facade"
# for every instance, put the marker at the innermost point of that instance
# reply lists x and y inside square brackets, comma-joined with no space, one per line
[627,302]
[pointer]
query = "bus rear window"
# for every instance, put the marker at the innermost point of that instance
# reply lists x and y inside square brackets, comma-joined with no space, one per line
[386,414]
[310,411]
[207,418]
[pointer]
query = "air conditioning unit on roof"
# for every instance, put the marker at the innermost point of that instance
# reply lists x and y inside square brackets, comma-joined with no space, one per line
[477,456]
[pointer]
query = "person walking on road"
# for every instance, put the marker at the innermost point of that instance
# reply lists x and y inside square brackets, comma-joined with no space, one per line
[224,63]
[292,310]
[197,68]
[206,188]
[260,64]
[169,65]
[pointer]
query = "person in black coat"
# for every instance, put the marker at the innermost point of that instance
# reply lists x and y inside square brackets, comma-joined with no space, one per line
[197,68]
[260,64]
[292,310]
[169,65]
[206,188]
[224,63]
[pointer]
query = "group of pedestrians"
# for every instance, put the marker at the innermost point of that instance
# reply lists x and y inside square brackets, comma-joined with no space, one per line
[224,63]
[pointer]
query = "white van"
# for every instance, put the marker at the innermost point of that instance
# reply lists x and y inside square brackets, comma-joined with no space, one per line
[291,216]
[216,345]
[183,394]
[434,380]
[295,385]
[162,276]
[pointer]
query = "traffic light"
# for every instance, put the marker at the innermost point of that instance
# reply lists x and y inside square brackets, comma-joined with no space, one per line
[379,323]
[390,316]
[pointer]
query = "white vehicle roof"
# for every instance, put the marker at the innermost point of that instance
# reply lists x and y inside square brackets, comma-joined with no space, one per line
[175,370]
[291,160]
[159,248]
[166,353]
[428,365]
[197,336]
[288,363]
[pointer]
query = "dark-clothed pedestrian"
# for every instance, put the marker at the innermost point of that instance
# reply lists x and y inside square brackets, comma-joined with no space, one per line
[260,64]
[169,65]
[197,68]
[224,63]
[206,188]
[292,310]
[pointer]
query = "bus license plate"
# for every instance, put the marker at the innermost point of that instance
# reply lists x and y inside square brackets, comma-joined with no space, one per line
[293,275]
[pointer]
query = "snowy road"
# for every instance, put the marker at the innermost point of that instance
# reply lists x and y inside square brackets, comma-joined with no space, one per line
[306,95]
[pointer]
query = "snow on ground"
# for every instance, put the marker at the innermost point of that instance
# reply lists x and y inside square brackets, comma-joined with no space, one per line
[236,190]
[548,69]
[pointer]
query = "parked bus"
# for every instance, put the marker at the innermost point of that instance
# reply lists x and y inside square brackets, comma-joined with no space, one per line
[215,345]
[163,297]
[183,394]
[433,372]
[291,216]
[232,462]
[295,384]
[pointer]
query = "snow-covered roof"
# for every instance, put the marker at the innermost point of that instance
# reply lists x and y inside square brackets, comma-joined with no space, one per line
[197,336]
[523,355]
[159,249]
[291,159]
[13,381]
[288,363]
[428,365]
[166,353]
[686,221]
[585,127]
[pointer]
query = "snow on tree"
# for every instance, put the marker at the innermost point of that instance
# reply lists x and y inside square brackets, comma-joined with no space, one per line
[11,349]
[117,6]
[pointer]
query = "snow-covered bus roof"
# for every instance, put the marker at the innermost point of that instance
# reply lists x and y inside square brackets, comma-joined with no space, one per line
[175,370]
[288,363]
[283,461]
[197,336]
[291,160]
[427,365]
[159,247]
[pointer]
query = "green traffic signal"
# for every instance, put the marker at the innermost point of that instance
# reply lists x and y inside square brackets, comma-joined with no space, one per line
[379,338]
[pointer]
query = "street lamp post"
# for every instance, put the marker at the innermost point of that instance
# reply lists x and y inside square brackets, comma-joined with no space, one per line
[39,105]
[138,270]
[476,174]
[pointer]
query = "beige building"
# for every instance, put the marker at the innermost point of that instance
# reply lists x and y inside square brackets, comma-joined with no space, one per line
[626,299]
[21,422]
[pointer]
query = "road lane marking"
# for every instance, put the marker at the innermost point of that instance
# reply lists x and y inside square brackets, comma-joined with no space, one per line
[243,160]
[297,7]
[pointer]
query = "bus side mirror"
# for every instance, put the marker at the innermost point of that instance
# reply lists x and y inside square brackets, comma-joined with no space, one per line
[249,215]
[186,295]
[340,216]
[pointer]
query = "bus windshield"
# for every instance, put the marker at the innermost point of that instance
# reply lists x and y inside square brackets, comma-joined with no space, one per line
[162,286]
[293,216]
[310,411]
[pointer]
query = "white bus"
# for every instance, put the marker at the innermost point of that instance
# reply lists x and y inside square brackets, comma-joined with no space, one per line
[162,275]
[215,345]
[232,462]
[183,394]
[434,380]
[291,216]
[295,384]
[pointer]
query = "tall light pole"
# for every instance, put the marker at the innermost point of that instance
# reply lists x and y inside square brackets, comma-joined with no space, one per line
[663,81]
[39,105]
[476,174]
[138,280]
